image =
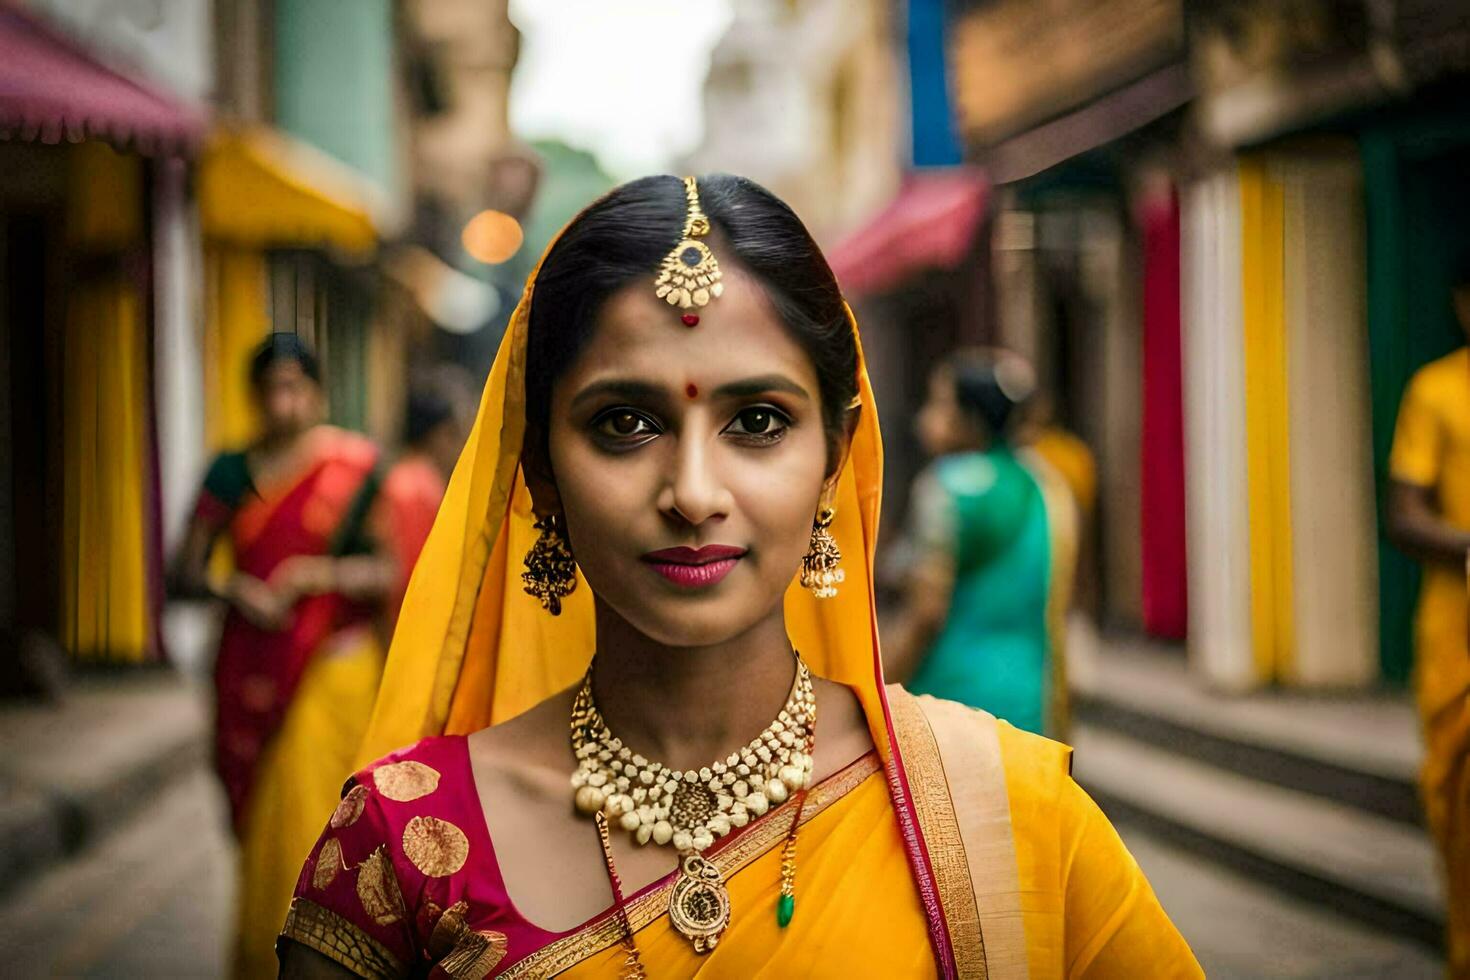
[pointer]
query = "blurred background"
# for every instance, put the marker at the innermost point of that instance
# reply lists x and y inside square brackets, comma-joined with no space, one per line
[1223,234]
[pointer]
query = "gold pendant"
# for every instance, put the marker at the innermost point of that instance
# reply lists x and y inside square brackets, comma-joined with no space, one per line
[700,906]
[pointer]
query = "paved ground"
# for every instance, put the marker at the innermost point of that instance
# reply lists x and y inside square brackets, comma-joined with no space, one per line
[153,898]
[1242,930]
[150,900]
[88,761]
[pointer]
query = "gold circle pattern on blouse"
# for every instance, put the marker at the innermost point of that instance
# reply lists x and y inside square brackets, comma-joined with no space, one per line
[328,863]
[436,847]
[404,782]
[350,808]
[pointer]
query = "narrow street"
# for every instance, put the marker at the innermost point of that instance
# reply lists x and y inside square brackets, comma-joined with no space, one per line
[152,900]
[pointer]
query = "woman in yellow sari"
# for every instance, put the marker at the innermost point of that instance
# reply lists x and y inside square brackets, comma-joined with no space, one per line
[685,420]
[298,661]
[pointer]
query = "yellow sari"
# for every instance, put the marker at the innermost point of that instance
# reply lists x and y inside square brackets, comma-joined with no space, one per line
[300,776]
[962,849]
[1431,448]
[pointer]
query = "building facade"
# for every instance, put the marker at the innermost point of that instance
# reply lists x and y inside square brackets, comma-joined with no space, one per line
[96,269]
[176,181]
[1203,239]
[819,82]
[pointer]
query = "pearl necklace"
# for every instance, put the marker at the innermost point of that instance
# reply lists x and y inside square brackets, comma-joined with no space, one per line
[691,809]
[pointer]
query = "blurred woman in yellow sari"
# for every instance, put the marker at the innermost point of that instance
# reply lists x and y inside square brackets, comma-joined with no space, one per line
[726,788]
[298,661]
[1429,518]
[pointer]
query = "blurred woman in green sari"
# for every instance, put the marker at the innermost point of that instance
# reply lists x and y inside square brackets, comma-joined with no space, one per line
[993,536]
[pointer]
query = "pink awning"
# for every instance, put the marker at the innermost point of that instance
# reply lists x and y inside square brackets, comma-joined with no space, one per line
[51,91]
[930,224]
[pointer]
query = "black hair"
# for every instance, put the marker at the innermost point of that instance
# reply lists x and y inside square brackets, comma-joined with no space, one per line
[622,238]
[427,409]
[280,347]
[990,388]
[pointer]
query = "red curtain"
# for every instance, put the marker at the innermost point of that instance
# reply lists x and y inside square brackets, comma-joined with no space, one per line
[1165,591]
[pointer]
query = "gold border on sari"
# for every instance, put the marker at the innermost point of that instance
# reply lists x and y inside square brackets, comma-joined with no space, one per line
[959,785]
[742,849]
[323,930]
[935,809]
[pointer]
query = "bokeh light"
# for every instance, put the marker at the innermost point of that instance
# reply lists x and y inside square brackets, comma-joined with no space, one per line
[492,237]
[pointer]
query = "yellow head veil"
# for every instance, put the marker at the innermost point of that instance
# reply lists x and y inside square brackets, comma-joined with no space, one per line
[472,648]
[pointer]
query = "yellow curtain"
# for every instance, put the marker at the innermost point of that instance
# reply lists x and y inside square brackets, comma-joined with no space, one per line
[1263,309]
[106,607]
[235,322]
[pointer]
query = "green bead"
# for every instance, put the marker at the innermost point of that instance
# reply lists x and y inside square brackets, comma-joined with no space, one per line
[785,909]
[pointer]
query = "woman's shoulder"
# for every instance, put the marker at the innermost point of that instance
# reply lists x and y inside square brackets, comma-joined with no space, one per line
[401,868]
[344,446]
[1046,761]
[413,771]
[417,805]
[1044,798]
[1037,770]
[967,474]
[1438,383]
[228,477]
[229,459]
[1098,912]
[387,794]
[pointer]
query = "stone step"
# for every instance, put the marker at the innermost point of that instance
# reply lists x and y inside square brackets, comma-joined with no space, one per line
[1375,870]
[1360,750]
[74,770]
[1243,929]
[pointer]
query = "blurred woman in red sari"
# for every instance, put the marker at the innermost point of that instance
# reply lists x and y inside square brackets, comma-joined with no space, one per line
[299,660]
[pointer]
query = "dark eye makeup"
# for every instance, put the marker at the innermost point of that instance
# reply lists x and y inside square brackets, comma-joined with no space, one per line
[759,425]
[622,427]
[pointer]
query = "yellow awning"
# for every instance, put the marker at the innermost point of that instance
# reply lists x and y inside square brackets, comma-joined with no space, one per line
[260,188]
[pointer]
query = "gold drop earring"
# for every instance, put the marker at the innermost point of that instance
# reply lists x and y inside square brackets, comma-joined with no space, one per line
[551,571]
[819,566]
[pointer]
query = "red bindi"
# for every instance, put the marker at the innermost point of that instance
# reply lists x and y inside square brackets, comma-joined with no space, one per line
[692,390]
[690,319]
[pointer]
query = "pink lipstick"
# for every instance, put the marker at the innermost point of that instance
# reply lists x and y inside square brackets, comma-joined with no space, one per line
[695,568]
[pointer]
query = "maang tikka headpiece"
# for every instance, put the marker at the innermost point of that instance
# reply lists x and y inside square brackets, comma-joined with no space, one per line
[689,276]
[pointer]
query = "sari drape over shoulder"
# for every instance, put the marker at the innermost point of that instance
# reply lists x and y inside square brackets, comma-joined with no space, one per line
[888,885]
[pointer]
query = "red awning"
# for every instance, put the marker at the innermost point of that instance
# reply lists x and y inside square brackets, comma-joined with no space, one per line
[930,224]
[51,91]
